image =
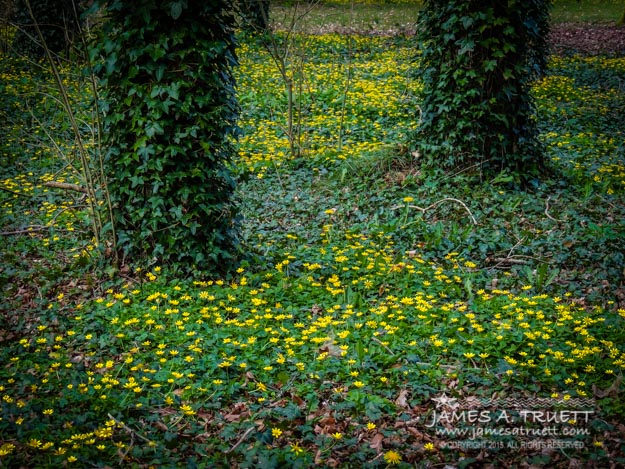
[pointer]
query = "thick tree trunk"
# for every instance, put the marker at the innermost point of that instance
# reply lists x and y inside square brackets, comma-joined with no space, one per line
[169,127]
[478,60]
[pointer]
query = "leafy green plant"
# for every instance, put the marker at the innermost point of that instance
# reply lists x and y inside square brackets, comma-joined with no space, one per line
[541,277]
[366,293]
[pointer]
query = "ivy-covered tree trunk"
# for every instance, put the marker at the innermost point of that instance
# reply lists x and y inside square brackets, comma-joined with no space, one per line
[170,119]
[478,60]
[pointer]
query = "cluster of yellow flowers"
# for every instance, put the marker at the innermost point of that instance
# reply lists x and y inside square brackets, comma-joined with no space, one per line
[349,120]
[591,153]
[352,313]
[199,339]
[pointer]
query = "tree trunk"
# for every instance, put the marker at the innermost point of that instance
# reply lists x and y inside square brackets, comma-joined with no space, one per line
[478,60]
[171,115]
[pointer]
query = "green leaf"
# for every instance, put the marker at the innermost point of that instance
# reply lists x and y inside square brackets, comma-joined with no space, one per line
[467,46]
[360,351]
[490,65]
[283,378]
[176,10]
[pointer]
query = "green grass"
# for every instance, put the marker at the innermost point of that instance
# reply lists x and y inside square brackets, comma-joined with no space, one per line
[365,16]
[372,286]
[587,11]
[335,17]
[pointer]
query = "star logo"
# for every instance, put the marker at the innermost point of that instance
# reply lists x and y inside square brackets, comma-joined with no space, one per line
[445,401]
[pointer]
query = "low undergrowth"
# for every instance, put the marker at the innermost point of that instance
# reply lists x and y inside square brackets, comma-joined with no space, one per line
[372,287]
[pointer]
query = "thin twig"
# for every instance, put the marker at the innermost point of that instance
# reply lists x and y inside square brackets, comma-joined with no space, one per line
[446,367]
[13,192]
[514,247]
[51,138]
[451,199]
[446,199]
[30,229]
[509,260]
[35,228]
[125,453]
[463,170]
[547,211]
[129,430]
[84,158]
[348,81]
[382,344]
[96,132]
[241,440]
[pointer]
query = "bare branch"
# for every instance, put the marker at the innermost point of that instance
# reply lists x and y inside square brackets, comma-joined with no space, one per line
[65,186]
[241,440]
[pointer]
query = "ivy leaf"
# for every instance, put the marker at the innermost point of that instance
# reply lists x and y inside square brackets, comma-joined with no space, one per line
[490,65]
[176,10]
[467,47]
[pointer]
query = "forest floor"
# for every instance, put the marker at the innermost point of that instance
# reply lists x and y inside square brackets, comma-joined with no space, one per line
[383,309]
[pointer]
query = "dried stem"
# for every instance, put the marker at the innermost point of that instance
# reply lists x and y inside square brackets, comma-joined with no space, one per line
[435,204]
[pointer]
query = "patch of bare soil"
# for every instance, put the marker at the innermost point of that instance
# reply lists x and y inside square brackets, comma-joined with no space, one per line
[587,39]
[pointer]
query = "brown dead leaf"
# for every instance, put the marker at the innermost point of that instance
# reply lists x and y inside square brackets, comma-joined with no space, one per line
[402,399]
[161,426]
[249,376]
[166,411]
[238,413]
[575,464]
[206,417]
[407,423]
[613,390]
[77,358]
[416,433]
[327,421]
[318,457]
[202,437]
[278,403]
[376,442]
[331,349]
